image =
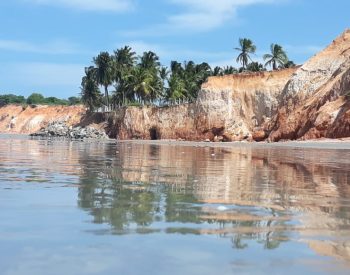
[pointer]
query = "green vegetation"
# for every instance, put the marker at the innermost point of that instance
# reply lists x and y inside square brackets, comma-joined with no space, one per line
[36,99]
[73,100]
[142,80]
[11,99]
[90,94]
[246,47]
[277,57]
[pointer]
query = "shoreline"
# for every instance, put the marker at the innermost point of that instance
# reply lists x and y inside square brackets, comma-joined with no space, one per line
[322,143]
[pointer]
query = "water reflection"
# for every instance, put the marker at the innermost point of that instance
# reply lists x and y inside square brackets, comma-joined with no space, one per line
[266,194]
[250,195]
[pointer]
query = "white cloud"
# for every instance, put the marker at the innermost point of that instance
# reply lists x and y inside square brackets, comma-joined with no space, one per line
[52,47]
[89,5]
[199,16]
[202,15]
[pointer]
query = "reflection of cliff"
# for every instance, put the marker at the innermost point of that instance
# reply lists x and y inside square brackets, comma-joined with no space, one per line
[280,177]
[38,160]
[262,193]
[244,192]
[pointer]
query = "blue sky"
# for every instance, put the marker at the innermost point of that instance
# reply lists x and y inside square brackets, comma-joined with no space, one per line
[45,44]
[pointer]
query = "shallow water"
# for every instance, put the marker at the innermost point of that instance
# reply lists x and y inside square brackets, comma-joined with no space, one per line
[142,208]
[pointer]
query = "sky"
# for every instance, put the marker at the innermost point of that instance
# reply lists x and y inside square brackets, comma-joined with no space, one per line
[45,44]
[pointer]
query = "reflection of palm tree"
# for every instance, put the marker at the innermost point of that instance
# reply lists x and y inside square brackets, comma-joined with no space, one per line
[125,205]
[237,242]
[177,209]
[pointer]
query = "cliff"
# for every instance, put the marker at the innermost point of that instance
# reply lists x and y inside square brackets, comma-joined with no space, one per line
[26,120]
[233,105]
[314,103]
[228,108]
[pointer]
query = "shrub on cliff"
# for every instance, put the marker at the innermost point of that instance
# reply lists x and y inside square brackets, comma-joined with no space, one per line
[73,100]
[255,67]
[36,98]
[11,99]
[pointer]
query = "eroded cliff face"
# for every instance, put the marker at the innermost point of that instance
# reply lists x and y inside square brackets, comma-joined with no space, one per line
[228,108]
[233,105]
[177,122]
[314,103]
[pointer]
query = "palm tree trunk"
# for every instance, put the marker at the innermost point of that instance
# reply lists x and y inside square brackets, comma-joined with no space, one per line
[106,95]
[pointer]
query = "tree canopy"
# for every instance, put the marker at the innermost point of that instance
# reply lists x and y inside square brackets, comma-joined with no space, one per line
[138,80]
[11,99]
[277,57]
[246,47]
[36,99]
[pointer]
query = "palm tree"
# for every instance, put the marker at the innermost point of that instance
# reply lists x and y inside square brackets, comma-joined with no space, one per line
[177,88]
[125,57]
[141,83]
[176,68]
[218,71]
[124,61]
[255,67]
[277,57]
[163,76]
[163,73]
[229,70]
[149,60]
[246,47]
[289,64]
[90,93]
[104,72]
